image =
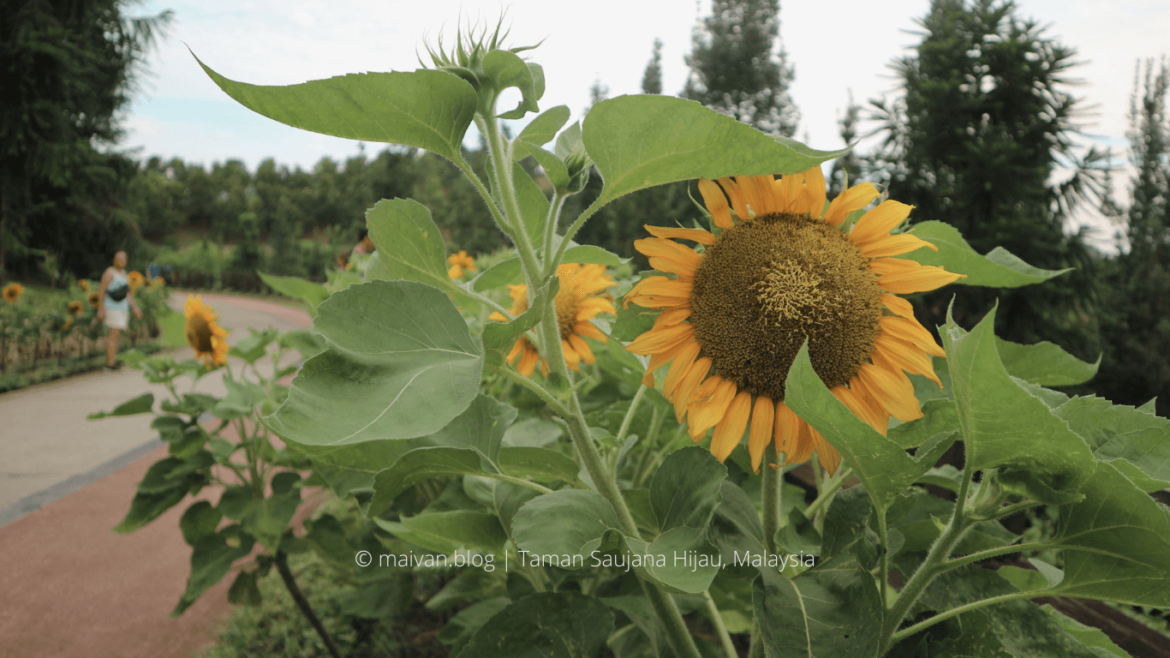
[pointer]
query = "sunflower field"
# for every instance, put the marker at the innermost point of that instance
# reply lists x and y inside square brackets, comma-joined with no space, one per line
[46,334]
[753,449]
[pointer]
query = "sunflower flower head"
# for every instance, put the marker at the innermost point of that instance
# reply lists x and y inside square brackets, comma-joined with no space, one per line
[580,299]
[83,284]
[12,292]
[460,263]
[94,299]
[158,282]
[779,271]
[135,279]
[204,335]
[75,308]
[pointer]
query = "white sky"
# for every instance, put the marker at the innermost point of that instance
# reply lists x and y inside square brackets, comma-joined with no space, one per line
[835,47]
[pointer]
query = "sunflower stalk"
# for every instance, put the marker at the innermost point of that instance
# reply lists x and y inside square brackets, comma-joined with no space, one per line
[549,331]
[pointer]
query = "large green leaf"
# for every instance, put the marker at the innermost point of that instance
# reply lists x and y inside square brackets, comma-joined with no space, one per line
[998,269]
[642,141]
[1044,364]
[540,464]
[1004,425]
[309,292]
[211,560]
[509,272]
[460,629]
[582,519]
[543,128]
[735,528]
[143,404]
[882,465]
[544,625]
[446,531]
[506,69]
[503,499]
[409,244]
[937,416]
[831,610]
[686,489]
[400,364]
[427,109]
[1117,543]
[1136,442]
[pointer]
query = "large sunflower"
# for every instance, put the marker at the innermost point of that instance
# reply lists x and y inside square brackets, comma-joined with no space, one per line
[135,279]
[12,292]
[203,334]
[735,317]
[577,302]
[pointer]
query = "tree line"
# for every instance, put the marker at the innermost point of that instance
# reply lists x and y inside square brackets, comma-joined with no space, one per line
[981,133]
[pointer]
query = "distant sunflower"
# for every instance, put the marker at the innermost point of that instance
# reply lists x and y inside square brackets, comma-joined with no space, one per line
[203,334]
[83,284]
[158,282]
[460,262]
[94,299]
[135,279]
[12,292]
[68,323]
[735,317]
[76,307]
[577,302]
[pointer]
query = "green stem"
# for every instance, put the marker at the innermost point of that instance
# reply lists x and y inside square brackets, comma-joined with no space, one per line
[501,157]
[757,647]
[1012,509]
[521,482]
[550,229]
[939,552]
[625,428]
[290,583]
[572,230]
[996,552]
[556,405]
[884,539]
[954,612]
[771,499]
[825,494]
[720,627]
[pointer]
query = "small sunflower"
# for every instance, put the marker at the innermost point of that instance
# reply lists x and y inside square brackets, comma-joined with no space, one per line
[460,262]
[577,302]
[203,334]
[83,284]
[135,279]
[76,307]
[12,292]
[95,299]
[735,317]
[158,282]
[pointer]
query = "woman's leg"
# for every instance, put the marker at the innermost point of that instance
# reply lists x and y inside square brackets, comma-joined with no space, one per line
[112,347]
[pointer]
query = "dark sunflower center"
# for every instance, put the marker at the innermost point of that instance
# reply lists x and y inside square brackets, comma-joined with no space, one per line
[198,333]
[767,285]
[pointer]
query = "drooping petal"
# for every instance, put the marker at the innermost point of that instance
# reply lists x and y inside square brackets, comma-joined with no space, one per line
[589,330]
[691,380]
[763,413]
[910,331]
[716,203]
[669,256]
[737,198]
[692,234]
[791,435]
[582,348]
[704,414]
[854,198]
[527,363]
[898,305]
[660,359]
[895,393]
[812,196]
[729,430]
[894,245]
[661,340]
[896,353]
[659,292]
[679,367]
[571,357]
[829,456]
[851,399]
[671,317]
[923,279]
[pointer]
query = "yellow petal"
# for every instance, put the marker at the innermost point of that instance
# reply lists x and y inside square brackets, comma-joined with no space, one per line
[669,256]
[679,367]
[589,330]
[909,330]
[737,198]
[763,414]
[896,353]
[894,245]
[692,234]
[791,436]
[571,357]
[704,414]
[829,456]
[729,430]
[880,220]
[528,362]
[854,198]
[582,348]
[691,380]
[716,203]
[923,279]
[898,305]
[894,392]
[661,340]
[671,317]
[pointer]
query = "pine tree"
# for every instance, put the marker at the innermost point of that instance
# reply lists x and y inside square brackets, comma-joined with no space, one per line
[846,169]
[983,119]
[738,68]
[652,78]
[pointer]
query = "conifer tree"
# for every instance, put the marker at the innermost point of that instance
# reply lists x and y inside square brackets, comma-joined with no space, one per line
[652,78]
[846,170]
[739,68]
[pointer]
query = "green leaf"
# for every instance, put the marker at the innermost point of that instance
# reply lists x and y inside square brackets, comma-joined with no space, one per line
[400,364]
[1117,543]
[937,416]
[881,464]
[1044,364]
[143,404]
[540,464]
[1136,442]
[505,69]
[309,292]
[509,272]
[582,518]
[998,269]
[422,464]
[426,109]
[544,625]
[532,433]
[444,532]
[686,489]
[408,242]
[846,521]
[200,520]
[642,141]
[831,610]
[534,206]
[211,560]
[736,528]
[307,343]
[380,599]
[244,590]
[503,499]
[544,127]
[633,321]
[255,345]
[1089,636]
[1004,425]
[147,507]
[460,629]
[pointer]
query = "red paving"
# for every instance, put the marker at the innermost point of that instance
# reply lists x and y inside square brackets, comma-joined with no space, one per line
[70,587]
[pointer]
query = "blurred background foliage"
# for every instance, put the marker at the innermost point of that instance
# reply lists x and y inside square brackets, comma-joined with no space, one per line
[983,131]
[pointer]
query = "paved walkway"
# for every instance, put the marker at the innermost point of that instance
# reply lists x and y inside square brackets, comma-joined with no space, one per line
[69,586]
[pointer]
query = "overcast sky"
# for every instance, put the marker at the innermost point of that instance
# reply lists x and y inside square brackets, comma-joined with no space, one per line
[835,46]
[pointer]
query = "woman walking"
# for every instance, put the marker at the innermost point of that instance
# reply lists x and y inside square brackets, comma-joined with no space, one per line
[116,300]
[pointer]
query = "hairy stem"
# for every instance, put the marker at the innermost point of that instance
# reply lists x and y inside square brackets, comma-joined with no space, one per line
[625,428]
[770,499]
[307,610]
[954,612]
[720,627]
[955,563]
[825,494]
